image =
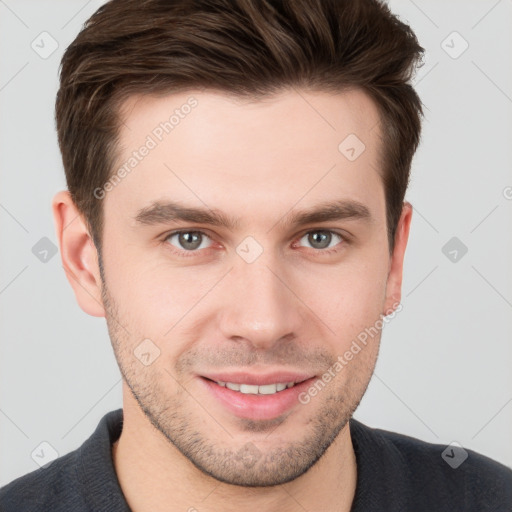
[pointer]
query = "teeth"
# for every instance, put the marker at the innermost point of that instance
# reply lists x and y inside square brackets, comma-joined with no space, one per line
[268,389]
[248,389]
[252,389]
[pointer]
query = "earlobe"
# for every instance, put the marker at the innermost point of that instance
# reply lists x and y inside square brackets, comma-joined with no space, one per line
[78,253]
[394,282]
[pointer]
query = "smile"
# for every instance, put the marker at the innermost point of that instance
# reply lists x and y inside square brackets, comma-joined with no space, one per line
[256,397]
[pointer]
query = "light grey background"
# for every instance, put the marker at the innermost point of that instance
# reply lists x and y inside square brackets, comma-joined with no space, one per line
[444,369]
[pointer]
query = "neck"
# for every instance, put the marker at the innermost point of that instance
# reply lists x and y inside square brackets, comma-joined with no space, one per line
[154,475]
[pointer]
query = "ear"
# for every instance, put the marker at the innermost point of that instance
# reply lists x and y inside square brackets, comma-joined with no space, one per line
[394,281]
[78,253]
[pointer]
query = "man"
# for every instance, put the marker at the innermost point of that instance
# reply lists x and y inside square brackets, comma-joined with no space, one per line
[236,173]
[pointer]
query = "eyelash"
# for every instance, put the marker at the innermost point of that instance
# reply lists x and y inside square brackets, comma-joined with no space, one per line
[188,254]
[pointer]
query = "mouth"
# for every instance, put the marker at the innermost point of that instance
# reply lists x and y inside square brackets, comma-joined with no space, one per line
[257,397]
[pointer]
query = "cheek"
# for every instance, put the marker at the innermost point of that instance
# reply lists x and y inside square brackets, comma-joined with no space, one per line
[347,297]
[140,294]
[159,301]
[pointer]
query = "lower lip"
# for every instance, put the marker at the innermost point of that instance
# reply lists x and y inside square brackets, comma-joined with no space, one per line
[257,407]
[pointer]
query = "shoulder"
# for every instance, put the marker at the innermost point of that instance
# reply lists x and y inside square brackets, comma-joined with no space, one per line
[81,480]
[46,488]
[452,463]
[448,474]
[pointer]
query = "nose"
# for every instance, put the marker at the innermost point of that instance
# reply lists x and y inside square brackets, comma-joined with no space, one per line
[260,307]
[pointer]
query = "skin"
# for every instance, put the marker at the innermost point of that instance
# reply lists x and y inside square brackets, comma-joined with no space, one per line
[293,308]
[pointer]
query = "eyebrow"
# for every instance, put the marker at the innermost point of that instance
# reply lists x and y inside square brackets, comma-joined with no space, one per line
[166,212]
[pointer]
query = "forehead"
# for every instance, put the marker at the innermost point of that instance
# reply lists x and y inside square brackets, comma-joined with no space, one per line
[211,149]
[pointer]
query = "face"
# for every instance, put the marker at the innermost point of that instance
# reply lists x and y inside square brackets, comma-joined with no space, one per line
[212,313]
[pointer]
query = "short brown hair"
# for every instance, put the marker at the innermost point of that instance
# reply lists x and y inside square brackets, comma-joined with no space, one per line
[243,47]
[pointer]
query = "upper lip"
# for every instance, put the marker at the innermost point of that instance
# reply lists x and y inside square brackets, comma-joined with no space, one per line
[259,379]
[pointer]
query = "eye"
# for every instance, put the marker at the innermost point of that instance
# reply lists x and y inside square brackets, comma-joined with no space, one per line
[188,241]
[321,239]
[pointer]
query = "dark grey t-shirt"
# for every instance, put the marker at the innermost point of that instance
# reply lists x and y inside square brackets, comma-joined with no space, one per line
[395,473]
